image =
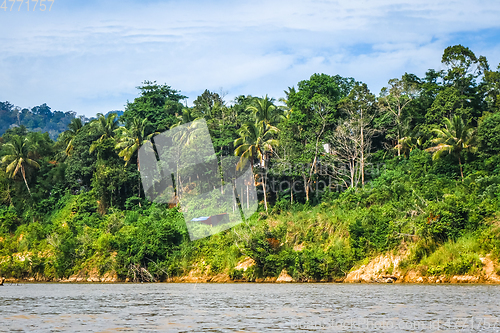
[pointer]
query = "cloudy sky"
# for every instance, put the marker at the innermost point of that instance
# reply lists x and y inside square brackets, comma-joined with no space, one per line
[89,56]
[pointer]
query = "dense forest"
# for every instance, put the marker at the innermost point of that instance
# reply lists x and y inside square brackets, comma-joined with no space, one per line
[37,119]
[342,175]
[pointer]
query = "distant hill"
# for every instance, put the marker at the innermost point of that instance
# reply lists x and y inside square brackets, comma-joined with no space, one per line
[39,118]
[118,112]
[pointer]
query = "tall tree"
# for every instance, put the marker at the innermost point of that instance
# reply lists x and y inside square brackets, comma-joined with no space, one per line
[455,138]
[346,151]
[489,135]
[106,127]
[18,158]
[462,95]
[187,116]
[263,109]
[206,102]
[159,104]
[131,139]
[491,85]
[448,102]
[463,67]
[73,129]
[360,107]
[395,99]
[315,110]
[255,141]
[333,88]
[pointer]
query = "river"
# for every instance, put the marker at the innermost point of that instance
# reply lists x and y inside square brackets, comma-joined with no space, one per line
[247,307]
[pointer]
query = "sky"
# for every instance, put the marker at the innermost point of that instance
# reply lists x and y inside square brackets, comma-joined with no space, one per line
[89,56]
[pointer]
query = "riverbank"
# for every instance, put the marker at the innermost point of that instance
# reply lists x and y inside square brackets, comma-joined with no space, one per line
[338,242]
[381,269]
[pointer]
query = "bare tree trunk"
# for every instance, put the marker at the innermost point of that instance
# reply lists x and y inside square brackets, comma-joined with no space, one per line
[399,145]
[178,182]
[241,197]
[307,182]
[461,171]
[24,177]
[306,188]
[352,166]
[362,150]
[139,185]
[264,188]
[221,170]
[8,193]
[399,129]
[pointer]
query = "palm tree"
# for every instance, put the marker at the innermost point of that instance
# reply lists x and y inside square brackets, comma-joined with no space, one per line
[454,138]
[194,138]
[408,143]
[191,133]
[187,116]
[263,109]
[106,126]
[255,141]
[287,110]
[74,128]
[18,158]
[131,139]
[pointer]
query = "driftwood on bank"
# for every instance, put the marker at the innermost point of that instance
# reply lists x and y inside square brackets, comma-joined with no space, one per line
[140,274]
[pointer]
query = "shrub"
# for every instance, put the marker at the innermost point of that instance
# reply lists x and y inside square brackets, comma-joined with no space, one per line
[9,220]
[448,219]
[236,274]
[373,231]
[466,263]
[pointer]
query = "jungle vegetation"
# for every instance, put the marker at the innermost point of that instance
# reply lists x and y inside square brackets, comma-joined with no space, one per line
[342,174]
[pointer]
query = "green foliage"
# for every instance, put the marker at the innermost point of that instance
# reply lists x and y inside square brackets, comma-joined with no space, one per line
[490,241]
[81,163]
[105,127]
[76,205]
[19,160]
[149,241]
[373,231]
[455,258]
[448,219]
[263,248]
[334,88]
[447,103]
[9,220]
[236,274]
[159,104]
[489,135]
[39,119]
[455,139]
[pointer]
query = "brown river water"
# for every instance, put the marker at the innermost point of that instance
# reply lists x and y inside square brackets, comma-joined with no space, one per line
[246,307]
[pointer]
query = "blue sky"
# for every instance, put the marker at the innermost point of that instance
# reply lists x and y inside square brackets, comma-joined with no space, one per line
[89,56]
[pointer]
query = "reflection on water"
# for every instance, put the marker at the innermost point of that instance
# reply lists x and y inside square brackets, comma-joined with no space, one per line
[249,308]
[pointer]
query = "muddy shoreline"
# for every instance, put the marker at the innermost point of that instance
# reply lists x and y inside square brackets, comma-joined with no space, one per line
[410,278]
[382,269]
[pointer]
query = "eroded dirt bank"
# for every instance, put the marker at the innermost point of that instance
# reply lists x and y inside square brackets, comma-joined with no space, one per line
[386,269]
[382,269]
